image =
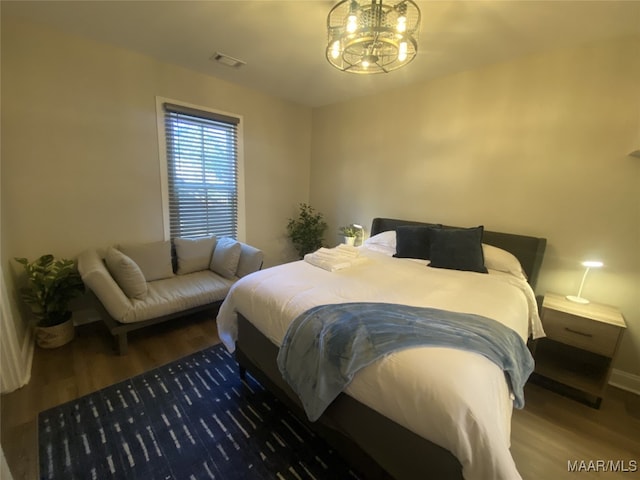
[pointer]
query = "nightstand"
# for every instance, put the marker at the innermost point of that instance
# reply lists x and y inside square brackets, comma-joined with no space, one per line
[581,343]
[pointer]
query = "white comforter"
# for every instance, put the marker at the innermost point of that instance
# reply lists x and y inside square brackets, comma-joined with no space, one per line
[456,399]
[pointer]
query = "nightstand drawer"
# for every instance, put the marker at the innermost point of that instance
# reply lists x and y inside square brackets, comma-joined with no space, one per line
[581,332]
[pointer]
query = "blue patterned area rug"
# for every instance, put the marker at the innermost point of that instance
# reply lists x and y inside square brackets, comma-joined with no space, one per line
[191,419]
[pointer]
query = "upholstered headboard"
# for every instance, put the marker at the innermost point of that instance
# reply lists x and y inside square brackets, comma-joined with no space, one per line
[528,250]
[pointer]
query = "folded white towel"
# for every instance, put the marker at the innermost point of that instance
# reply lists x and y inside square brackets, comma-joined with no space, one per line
[332,259]
[340,251]
[349,250]
[331,265]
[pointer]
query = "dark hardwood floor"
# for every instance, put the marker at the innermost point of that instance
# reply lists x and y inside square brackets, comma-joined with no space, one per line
[87,364]
[547,434]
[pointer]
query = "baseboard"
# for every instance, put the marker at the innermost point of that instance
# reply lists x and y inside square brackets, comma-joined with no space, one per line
[625,381]
[21,367]
[28,348]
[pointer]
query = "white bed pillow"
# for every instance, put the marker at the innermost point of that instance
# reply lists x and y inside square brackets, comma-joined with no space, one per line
[498,259]
[384,242]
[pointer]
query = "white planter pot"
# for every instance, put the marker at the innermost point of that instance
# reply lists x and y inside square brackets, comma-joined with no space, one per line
[349,240]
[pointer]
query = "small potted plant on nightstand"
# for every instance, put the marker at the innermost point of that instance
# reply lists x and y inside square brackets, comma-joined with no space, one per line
[51,284]
[349,234]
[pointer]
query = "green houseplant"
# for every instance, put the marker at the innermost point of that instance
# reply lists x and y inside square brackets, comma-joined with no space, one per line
[349,234]
[51,285]
[307,230]
[349,231]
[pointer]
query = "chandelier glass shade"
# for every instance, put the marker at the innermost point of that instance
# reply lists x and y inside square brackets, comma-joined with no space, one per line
[372,36]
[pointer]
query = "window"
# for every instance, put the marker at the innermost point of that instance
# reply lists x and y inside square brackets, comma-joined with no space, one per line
[202,172]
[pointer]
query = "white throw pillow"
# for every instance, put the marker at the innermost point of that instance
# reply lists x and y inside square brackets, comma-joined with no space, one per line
[498,259]
[194,254]
[226,257]
[154,259]
[126,273]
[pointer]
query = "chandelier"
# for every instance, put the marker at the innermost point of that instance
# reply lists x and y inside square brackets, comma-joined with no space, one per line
[374,36]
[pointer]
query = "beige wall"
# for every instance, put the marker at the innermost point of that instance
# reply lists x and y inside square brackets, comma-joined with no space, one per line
[536,146]
[80,164]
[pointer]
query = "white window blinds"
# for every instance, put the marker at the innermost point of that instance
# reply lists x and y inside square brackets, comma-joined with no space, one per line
[202,167]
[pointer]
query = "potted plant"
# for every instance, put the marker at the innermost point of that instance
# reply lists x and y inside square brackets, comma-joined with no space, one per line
[306,232]
[51,284]
[349,234]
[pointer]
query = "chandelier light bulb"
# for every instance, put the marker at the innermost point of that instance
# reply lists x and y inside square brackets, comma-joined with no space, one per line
[352,23]
[352,20]
[402,24]
[335,49]
[402,53]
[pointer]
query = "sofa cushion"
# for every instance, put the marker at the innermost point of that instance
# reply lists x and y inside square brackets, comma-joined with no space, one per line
[177,294]
[126,273]
[154,259]
[226,257]
[194,254]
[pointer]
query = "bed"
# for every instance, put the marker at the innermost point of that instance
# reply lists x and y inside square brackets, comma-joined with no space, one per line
[425,412]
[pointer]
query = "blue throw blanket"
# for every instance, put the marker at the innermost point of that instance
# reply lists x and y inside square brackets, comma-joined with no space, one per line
[326,345]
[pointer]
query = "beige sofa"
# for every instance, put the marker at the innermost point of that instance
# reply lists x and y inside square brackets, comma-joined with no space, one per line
[144,284]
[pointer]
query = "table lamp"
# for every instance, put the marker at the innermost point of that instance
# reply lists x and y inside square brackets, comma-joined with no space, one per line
[360,234]
[589,264]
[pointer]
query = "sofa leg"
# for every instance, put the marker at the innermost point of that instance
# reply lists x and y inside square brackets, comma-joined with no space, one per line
[122,343]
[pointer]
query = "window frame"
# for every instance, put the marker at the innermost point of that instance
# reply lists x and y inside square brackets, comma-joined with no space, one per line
[164,169]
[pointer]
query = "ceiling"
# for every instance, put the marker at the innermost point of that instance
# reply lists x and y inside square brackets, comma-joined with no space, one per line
[283,42]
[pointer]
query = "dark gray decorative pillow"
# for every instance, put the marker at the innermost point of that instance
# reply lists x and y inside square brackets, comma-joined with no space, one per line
[458,249]
[413,241]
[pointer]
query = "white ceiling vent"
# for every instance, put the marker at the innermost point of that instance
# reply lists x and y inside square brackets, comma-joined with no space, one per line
[227,60]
